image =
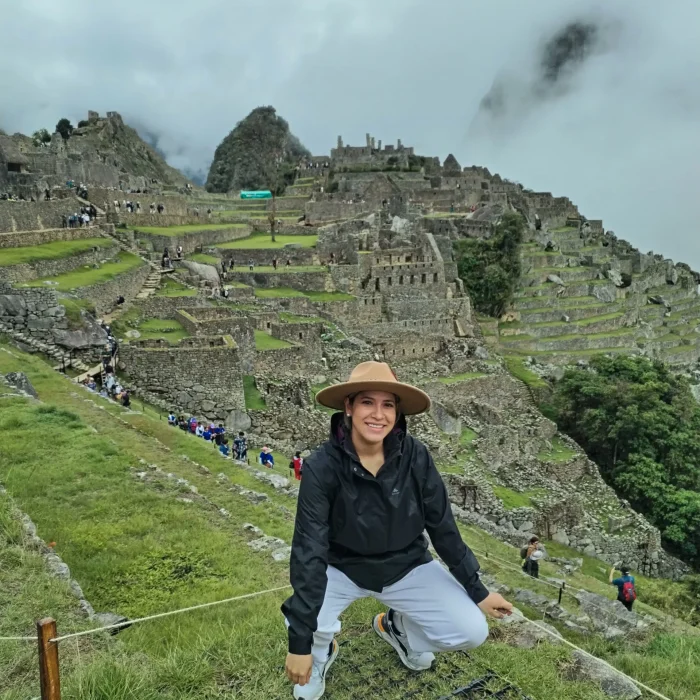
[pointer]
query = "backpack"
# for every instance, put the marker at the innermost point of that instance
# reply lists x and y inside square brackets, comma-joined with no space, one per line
[291,464]
[523,552]
[628,593]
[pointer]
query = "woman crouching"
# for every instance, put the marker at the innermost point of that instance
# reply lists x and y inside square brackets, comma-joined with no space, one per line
[366,498]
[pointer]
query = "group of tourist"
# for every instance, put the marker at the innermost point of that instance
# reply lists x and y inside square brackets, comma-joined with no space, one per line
[135,207]
[110,389]
[80,218]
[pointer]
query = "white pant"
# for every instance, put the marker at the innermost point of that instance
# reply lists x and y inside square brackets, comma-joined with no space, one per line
[437,613]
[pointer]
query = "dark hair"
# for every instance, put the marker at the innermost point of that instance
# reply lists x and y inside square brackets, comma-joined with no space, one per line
[241,433]
[297,454]
[625,569]
[534,539]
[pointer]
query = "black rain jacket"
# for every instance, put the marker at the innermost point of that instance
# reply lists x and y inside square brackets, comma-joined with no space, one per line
[370,528]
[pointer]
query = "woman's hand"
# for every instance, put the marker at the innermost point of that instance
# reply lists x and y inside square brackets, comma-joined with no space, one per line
[495,605]
[298,668]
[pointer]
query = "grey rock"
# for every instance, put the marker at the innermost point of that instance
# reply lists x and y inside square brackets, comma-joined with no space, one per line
[561,537]
[12,305]
[267,542]
[249,527]
[282,554]
[611,682]
[204,272]
[133,334]
[604,292]
[237,421]
[110,618]
[57,566]
[615,276]
[555,279]
[448,423]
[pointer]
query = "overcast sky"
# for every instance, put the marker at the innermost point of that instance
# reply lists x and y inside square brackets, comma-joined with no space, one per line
[620,136]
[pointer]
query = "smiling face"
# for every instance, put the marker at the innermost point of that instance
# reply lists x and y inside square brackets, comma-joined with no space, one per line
[373,415]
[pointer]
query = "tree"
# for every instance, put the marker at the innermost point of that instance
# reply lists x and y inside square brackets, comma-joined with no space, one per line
[65,128]
[641,425]
[490,268]
[41,136]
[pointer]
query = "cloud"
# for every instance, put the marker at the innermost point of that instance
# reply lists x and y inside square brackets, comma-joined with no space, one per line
[618,135]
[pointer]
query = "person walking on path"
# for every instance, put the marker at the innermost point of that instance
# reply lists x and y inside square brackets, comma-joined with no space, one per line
[626,592]
[532,553]
[297,463]
[367,495]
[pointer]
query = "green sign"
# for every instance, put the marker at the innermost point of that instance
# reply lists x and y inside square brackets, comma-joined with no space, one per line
[257,194]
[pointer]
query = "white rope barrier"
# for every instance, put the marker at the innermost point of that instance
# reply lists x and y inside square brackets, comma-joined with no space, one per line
[18,639]
[128,623]
[558,637]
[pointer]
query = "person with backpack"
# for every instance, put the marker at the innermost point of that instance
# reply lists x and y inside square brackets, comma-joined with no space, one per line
[368,494]
[531,553]
[240,447]
[626,592]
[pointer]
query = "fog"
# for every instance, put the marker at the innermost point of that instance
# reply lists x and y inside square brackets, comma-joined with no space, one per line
[614,129]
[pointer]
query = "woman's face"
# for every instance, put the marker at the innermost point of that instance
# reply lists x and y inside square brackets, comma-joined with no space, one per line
[373,415]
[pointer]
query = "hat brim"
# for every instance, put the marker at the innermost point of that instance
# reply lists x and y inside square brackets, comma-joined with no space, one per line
[411,400]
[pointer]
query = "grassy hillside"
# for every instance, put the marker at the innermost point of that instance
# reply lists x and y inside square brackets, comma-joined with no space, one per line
[145,544]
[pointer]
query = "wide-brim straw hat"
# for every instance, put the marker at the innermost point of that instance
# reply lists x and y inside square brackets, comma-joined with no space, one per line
[375,376]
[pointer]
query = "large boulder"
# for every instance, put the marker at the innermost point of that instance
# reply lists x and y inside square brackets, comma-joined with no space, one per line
[604,292]
[555,279]
[20,381]
[204,272]
[90,335]
[12,305]
[612,683]
[445,420]
[237,421]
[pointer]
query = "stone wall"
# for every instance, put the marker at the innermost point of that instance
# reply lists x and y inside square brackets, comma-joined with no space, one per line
[261,256]
[166,307]
[201,376]
[104,295]
[193,240]
[334,210]
[57,266]
[303,281]
[457,227]
[220,320]
[307,334]
[32,310]
[31,238]
[404,346]
[286,362]
[176,205]
[30,216]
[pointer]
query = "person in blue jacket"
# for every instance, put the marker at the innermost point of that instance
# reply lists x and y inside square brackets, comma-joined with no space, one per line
[224,448]
[626,592]
[266,458]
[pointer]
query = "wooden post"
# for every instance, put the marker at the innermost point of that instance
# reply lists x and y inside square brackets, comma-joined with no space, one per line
[48,660]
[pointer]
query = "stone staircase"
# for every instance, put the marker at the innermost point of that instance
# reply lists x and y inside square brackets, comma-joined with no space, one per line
[566,309]
[150,285]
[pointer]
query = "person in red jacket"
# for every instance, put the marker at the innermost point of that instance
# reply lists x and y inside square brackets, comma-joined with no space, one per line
[297,463]
[367,496]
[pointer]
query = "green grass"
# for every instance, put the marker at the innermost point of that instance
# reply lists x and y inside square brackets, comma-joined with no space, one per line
[463,377]
[283,269]
[262,241]
[514,499]
[73,307]
[286,292]
[278,293]
[50,251]
[172,288]
[516,367]
[564,229]
[205,259]
[180,230]
[466,437]
[137,549]
[162,329]
[263,341]
[254,400]
[88,276]
[560,451]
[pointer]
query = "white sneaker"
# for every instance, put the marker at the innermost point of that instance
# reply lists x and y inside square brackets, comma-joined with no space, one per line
[384,626]
[316,686]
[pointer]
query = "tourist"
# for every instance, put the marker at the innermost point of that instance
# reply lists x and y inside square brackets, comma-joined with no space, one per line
[266,459]
[538,223]
[274,263]
[125,399]
[120,300]
[367,496]
[626,592]
[91,384]
[199,432]
[110,380]
[165,261]
[224,448]
[106,355]
[531,553]
[289,262]
[152,208]
[172,420]
[231,264]
[193,424]
[251,264]
[297,464]
[182,424]
[206,433]
[240,447]
[178,252]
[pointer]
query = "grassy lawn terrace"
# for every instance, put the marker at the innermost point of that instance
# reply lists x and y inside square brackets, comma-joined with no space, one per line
[254,400]
[87,276]
[262,241]
[204,259]
[263,341]
[329,296]
[516,367]
[560,451]
[171,288]
[281,269]
[514,499]
[50,251]
[180,230]
[286,293]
